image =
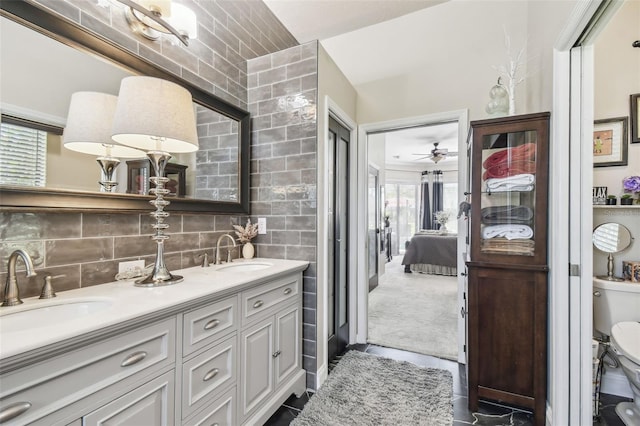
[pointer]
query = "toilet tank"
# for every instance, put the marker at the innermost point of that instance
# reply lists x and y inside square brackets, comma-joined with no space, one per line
[614,302]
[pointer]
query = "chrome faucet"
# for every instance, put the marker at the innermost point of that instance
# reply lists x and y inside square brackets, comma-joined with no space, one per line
[11,291]
[218,260]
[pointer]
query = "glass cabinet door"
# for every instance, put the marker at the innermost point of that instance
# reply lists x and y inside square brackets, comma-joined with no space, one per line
[508,193]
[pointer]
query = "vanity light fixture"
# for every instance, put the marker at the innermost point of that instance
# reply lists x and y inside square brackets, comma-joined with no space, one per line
[157,116]
[152,17]
[88,131]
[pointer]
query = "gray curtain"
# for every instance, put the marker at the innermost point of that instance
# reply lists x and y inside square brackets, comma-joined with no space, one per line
[437,204]
[425,209]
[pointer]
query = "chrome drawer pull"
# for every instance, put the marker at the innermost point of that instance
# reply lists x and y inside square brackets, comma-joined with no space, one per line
[276,354]
[287,291]
[211,374]
[258,304]
[134,358]
[13,411]
[212,324]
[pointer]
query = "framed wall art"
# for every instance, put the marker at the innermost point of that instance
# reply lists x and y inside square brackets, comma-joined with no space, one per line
[610,142]
[635,118]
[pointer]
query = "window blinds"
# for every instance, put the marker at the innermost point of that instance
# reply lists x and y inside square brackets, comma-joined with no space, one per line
[22,156]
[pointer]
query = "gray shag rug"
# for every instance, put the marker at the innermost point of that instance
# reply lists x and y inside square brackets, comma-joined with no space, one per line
[365,389]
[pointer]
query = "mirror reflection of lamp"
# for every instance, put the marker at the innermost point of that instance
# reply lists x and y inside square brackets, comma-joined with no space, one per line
[157,116]
[88,131]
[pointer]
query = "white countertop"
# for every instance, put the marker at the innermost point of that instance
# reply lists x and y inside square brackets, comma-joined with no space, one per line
[128,302]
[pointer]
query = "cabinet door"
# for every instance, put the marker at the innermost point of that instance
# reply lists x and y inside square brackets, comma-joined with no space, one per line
[507,337]
[150,404]
[257,365]
[509,190]
[288,340]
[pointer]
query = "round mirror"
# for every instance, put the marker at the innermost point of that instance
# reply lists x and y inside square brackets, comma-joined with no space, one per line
[611,237]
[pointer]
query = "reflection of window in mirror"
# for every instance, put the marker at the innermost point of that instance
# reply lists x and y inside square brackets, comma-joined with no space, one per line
[22,156]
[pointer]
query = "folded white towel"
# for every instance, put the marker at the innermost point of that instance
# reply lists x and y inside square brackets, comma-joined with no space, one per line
[510,232]
[522,182]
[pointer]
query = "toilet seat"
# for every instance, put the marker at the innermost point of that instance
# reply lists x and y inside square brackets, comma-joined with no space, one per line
[625,337]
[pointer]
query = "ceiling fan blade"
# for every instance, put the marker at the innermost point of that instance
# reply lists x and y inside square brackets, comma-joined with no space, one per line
[422,158]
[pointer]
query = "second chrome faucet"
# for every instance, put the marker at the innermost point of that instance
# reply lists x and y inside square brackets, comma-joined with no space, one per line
[218,259]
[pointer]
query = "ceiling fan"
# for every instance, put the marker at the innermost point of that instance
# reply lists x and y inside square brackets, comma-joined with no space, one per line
[437,154]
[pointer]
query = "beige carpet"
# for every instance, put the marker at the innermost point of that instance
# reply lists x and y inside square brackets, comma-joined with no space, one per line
[415,312]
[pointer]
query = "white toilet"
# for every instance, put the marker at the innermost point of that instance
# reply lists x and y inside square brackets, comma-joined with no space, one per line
[616,313]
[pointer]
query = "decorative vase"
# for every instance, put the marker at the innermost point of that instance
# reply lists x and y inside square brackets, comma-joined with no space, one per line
[248,251]
[443,228]
[626,201]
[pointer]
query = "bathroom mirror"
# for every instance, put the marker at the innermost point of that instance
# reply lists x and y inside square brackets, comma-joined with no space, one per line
[216,177]
[611,238]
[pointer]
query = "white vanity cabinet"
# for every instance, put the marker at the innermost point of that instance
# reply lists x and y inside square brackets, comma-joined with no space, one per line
[271,356]
[224,358]
[59,388]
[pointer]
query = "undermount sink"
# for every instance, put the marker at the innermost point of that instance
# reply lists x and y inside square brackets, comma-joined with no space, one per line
[51,314]
[244,266]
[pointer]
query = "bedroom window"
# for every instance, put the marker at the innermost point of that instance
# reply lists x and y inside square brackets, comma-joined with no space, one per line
[450,202]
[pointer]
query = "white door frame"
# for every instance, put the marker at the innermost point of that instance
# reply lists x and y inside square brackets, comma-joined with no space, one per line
[570,211]
[332,109]
[462,117]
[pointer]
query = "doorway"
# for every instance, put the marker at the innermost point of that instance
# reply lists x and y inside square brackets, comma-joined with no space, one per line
[338,215]
[461,118]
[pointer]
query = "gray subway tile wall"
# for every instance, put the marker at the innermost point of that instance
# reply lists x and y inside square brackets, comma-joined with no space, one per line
[283,176]
[230,34]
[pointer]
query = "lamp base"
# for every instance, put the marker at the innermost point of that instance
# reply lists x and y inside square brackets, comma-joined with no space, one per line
[152,281]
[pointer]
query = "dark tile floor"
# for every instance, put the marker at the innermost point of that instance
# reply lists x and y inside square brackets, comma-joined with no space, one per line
[493,414]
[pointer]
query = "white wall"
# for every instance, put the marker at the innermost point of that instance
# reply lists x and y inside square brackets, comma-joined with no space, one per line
[464,41]
[333,84]
[617,75]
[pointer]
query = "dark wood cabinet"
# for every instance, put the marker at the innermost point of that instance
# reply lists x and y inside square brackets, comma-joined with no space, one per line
[507,270]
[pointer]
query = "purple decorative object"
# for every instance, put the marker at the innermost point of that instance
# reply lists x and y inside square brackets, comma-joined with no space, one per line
[631,184]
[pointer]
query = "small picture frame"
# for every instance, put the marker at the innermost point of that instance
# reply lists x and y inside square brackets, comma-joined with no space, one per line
[610,142]
[599,195]
[635,117]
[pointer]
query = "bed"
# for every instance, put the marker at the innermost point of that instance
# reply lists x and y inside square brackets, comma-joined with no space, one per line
[432,254]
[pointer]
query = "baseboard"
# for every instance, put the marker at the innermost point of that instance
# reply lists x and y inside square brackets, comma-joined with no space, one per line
[614,382]
[321,376]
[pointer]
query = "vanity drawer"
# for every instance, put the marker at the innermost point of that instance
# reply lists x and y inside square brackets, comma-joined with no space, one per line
[208,373]
[204,325]
[222,412]
[50,385]
[260,300]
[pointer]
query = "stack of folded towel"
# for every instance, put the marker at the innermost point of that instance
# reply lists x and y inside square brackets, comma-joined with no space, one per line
[522,182]
[508,231]
[504,246]
[510,162]
[499,215]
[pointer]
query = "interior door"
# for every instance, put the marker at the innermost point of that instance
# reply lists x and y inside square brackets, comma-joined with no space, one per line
[373,225]
[338,160]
